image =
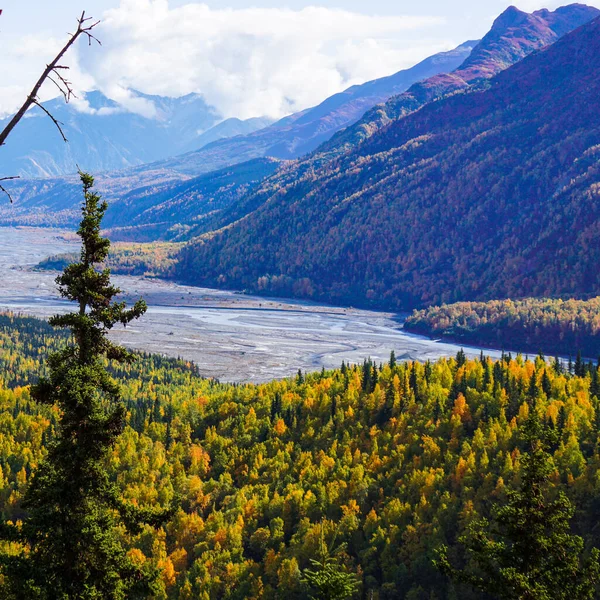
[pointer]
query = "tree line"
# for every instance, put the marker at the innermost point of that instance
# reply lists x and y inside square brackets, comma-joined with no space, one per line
[553,326]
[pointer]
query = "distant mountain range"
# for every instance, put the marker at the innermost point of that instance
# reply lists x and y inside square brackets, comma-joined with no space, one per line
[291,136]
[104,135]
[490,192]
[303,132]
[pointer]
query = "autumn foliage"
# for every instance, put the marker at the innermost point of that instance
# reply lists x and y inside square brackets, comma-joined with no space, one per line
[389,462]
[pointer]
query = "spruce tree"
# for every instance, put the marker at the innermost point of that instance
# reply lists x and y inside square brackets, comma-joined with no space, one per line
[579,365]
[528,552]
[392,362]
[70,541]
[327,579]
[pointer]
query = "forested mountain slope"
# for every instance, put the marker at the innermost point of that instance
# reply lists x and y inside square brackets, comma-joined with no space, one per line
[186,209]
[392,461]
[481,195]
[514,35]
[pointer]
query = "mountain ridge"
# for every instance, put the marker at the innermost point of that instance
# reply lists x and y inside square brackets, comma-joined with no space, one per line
[513,35]
[424,211]
[105,135]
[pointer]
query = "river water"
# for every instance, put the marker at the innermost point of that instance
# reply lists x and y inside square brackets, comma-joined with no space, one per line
[230,336]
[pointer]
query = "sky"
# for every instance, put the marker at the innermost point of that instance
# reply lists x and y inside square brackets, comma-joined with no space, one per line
[247,58]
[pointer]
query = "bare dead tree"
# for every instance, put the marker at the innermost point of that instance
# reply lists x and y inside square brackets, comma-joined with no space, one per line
[3,189]
[53,72]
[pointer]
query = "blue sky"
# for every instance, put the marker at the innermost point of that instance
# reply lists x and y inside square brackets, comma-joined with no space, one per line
[464,17]
[246,58]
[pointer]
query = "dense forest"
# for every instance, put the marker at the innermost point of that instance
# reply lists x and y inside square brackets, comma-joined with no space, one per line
[530,325]
[508,174]
[156,259]
[385,462]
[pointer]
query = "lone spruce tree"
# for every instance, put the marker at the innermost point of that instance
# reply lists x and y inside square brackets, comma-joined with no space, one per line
[528,552]
[69,545]
[327,579]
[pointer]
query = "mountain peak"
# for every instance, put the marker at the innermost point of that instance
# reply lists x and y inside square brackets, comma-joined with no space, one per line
[511,17]
[515,34]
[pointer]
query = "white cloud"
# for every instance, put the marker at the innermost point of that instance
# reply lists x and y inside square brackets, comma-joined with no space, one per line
[245,62]
[250,62]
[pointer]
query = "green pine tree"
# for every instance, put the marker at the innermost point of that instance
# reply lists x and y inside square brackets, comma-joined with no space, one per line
[528,552]
[392,362]
[70,542]
[327,579]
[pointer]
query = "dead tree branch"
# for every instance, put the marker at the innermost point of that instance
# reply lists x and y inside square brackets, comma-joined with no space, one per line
[52,72]
[54,120]
[2,188]
[85,25]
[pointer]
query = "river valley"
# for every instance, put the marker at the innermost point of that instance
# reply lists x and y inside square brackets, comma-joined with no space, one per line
[230,336]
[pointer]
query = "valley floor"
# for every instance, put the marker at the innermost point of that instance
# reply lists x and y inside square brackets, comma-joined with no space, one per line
[230,336]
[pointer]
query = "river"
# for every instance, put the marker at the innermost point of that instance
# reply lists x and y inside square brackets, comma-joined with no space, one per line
[230,336]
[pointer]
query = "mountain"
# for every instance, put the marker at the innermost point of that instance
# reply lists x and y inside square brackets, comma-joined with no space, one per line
[179,211]
[302,132]
[513,36]
[104,135]
[488,194]
[61,195]
[231,128]
[167,210]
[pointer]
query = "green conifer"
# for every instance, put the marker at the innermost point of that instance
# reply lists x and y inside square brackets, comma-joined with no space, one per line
[70,541]
[327,579]
[528,552]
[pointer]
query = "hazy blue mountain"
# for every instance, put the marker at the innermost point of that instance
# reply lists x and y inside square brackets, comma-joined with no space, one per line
[298,134]
[107,137]
[230,128]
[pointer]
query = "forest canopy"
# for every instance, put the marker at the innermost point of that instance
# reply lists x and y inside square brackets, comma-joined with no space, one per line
[531,325]
[392,460]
